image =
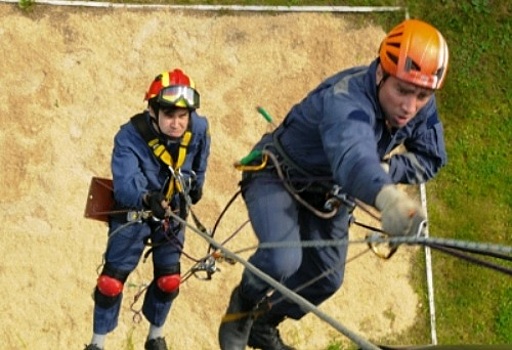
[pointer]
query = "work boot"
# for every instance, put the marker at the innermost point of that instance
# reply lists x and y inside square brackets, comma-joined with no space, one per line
[264,334]
[236,323]
[92,347]
[155,344]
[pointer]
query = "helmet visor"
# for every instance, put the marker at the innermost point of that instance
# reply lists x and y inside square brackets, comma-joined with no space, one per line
[179,96]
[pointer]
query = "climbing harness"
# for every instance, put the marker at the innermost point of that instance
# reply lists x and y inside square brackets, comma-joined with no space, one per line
[334,198]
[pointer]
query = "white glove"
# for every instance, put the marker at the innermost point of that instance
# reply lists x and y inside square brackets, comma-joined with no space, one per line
[400,215]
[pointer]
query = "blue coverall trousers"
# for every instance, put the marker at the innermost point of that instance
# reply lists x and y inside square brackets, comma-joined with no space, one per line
[277,217]
[123,253]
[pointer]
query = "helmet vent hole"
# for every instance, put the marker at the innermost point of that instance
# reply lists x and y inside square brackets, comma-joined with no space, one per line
[440,72]
[392,57]
[411,65]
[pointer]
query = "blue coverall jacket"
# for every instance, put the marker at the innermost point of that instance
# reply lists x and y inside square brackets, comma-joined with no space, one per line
[337,132]
[137,171]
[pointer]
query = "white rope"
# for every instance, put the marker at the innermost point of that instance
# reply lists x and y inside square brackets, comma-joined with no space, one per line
[428,267]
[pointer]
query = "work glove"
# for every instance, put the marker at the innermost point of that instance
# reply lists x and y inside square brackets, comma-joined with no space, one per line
[195,194]
[157,203]
[400,215]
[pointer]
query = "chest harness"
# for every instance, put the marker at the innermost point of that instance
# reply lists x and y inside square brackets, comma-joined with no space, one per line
[171,163]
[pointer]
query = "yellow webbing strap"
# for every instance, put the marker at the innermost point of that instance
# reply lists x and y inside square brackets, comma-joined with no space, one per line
[161,153]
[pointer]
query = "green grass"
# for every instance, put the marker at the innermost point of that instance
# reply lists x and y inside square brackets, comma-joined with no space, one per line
[471,199]
[26,5]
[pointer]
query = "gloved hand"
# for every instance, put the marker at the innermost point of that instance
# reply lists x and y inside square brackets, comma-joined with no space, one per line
[195,194]
[157,203]
[400,215]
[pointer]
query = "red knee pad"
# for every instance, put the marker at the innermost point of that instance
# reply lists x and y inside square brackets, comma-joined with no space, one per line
[169,283]
[109,286]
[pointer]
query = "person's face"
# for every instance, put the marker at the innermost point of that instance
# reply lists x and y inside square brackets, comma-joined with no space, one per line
[175,123]
[400,100]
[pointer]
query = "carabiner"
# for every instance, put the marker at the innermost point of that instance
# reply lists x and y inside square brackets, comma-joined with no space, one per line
[390,248]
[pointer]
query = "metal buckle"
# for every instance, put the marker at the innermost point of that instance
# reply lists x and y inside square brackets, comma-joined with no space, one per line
[204,269]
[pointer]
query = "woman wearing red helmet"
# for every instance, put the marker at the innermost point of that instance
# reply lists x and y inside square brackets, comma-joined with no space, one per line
[158,165]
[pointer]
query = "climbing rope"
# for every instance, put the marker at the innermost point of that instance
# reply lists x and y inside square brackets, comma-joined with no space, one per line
[289,294]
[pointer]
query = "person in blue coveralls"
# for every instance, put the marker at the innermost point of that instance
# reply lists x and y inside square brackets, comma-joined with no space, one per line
[158,165]
[338,137]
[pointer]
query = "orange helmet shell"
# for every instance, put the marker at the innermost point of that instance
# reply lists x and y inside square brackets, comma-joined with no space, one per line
[415,52]
[165,79]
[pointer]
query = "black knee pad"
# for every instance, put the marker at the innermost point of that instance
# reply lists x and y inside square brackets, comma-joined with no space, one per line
[109,287]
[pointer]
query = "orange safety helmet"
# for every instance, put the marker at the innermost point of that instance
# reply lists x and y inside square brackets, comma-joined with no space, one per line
[174,82]
[415,52]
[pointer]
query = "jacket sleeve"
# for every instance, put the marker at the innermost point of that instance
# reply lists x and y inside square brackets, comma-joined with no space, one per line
[200,162]
[129,180]
[425,152]
[349,142]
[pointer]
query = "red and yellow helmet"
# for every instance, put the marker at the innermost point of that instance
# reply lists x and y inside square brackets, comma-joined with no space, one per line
[415,52]
[174,88]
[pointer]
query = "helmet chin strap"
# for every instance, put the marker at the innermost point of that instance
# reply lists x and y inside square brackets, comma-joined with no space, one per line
[383,77]
[153,114]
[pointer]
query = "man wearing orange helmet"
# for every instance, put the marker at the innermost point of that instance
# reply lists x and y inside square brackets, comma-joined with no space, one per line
[337,140]
[158,165]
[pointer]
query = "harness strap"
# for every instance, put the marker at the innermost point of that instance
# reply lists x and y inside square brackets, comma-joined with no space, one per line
[291,163]
[325,207]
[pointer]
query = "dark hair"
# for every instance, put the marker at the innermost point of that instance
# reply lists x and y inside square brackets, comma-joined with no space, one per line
[168,110]
[153,103]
